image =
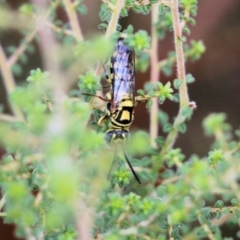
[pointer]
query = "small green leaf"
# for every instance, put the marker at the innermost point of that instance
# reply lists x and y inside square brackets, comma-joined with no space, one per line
[152,93]
[167,127]
[139,40]
[182,128]
[102,26]
[161,99]
[175,97]
[88,82]
[163,117]
[141,92]
[162,9]
[124,12]
[205,211]
[215,122]
[182,38]
[190,78]
[167,69]
[153,1]
[237,133]
[186,30]
[237,213]
[27,9]
[187,112]
[219,204]
[226,210]
[191,20]
[160,141]
[149,103]
[234,202]
[129,3]
[177,83]
[215,157]
[82,9]
[218,215]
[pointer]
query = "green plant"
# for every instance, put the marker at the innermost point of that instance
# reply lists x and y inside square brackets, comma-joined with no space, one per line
[54,172]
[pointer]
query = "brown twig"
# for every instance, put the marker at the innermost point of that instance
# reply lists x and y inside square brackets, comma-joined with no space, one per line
[154,76]
[183,91]
[72,15]
[21,49]
[9,81]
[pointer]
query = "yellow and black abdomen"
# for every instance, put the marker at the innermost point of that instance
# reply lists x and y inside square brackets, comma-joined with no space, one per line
[122,117]
[120,109]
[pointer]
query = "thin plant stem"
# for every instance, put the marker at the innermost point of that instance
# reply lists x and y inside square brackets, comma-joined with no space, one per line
[72,15]
[112,26]
[83,221]
[51,57]
[183,91]
[170,228]
[154,76]
[111,29]
[21,49]
[48,48]
[28,38]
[206,228]
[5,66]
[8,118]
[9,81]
[2,202]
[60,30]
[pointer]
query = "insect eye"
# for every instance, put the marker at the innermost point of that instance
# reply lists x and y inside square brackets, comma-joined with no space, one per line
[117,136]
[109,106]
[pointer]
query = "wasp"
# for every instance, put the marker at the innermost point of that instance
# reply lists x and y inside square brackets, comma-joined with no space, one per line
[121,98]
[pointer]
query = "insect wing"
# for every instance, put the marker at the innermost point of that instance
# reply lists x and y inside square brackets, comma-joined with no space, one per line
[122,73]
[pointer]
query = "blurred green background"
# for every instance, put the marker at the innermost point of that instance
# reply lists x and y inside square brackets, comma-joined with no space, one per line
[217,73]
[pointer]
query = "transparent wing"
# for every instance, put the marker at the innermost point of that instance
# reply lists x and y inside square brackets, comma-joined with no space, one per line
[122,73]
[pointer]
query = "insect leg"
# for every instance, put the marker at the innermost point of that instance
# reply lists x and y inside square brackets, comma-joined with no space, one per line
[105,71]
[91,95]
[129,164]
[101,119]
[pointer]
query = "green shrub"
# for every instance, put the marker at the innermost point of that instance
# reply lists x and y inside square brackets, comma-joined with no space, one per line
[55,175]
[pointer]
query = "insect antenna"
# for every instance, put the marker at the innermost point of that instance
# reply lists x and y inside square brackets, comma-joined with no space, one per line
[129,164]
[114,159]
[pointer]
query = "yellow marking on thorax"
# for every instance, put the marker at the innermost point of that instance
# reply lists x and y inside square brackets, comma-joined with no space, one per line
[127,103]
[125,115]
[108,95]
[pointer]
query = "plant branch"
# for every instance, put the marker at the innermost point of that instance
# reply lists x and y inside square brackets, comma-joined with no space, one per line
[134,230]
[2,202]
[186,15]
[21,49]
[111,29]
[147,2]
[60,30]
[172,59]
[154,76]
[170,228]
[183,91]
[9,81]
[72,15]
[206,228]
[28,38]
[8,118]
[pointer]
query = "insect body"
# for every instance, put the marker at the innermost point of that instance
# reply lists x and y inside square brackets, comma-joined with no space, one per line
[120,106]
